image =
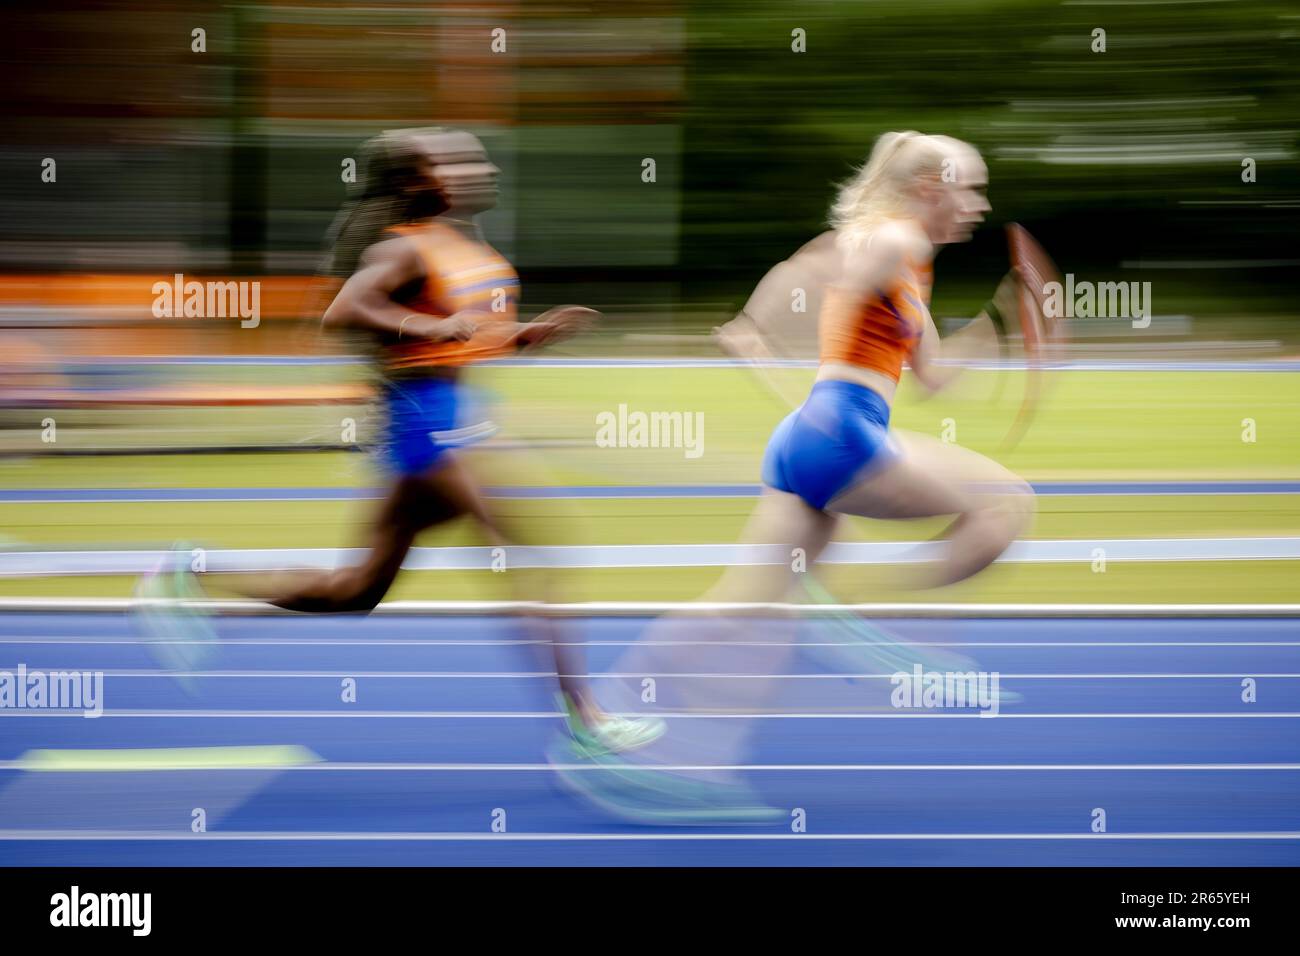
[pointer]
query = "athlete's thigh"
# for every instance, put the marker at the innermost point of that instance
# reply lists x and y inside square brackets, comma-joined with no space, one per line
[485,466]
[929,478]
[449,489]
[393,527]
[902,488]
[786,528]
[975,472]
[785,519]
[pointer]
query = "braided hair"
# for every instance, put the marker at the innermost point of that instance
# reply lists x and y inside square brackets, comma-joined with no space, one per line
[389,162]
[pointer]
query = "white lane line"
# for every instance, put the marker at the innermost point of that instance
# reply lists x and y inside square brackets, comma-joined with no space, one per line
[713,362]
[237,560]
[671,715]
[368,767]
[665,496]
[608,362]
[942,610]
[705,492]
[550,675]
[415,642]
[85,836]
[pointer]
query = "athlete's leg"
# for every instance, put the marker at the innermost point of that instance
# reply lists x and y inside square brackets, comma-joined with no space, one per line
[684,648]
[166,610]
[930,478]
[791,534]
[442,492]
[409,508]
[458,485]
[796,532]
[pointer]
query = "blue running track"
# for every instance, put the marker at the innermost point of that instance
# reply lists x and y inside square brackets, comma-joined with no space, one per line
[1143,718]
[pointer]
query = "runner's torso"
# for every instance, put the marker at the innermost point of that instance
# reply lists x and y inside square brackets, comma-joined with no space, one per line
[461,274]
[867,340]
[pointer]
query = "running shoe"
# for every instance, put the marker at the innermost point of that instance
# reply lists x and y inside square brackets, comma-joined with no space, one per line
[168,609]
[613,734]
[858,645]
[645,795]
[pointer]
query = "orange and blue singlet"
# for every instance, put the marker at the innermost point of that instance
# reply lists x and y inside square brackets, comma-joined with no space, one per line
[840,435]
[428,415]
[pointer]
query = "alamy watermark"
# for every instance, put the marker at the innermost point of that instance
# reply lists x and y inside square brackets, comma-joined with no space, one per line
[75,908]
[182,299]
[52,690]
[633,429]
[931,690]
[1098,300]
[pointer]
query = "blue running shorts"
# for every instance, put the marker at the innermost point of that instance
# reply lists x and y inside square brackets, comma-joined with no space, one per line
[832,441]
[427,417]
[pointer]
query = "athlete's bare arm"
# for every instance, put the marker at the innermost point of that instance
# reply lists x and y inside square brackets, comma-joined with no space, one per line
[554,325]
[874,265]
[925,356]
[366,299]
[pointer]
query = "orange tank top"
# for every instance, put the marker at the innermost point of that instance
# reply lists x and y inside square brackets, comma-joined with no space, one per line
[880,332]
[460,274]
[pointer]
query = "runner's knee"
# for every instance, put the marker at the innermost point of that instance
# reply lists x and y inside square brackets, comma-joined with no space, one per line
[361,589]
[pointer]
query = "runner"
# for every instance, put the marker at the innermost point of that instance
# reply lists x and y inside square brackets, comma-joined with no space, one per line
[835,455]
[434,297]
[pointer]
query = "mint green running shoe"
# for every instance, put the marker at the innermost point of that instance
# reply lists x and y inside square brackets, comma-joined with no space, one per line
[614,734]
[866,647]
[168,610]
[645,795]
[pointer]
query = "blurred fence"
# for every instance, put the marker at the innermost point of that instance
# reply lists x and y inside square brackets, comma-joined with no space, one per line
[657,159]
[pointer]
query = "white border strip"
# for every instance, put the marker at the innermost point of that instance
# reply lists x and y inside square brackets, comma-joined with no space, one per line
[396,836]
[612,675]
[653,608]
[368,767]
[882,714]
[1062,551]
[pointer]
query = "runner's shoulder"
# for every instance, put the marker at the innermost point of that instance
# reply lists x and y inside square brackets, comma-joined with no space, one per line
[395,251]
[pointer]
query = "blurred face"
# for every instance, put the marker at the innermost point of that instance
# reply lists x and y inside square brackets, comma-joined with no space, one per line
[456,165]
[955,203]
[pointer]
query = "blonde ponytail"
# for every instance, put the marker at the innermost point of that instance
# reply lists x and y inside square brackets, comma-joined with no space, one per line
[879,189]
